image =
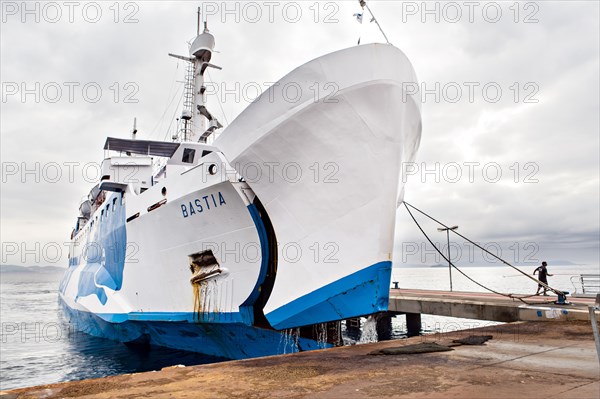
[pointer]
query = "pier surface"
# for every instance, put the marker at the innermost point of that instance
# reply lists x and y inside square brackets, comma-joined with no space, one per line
[488,306]
[522,360]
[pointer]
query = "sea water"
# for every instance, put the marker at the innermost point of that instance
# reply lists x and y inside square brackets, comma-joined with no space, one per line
[38,346]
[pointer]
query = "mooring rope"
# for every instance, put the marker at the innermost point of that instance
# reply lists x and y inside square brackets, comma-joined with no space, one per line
[512,296]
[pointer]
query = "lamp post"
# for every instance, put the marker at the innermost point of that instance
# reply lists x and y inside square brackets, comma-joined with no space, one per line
[447,230]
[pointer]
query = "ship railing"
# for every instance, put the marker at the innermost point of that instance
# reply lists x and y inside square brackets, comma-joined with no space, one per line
[158,166]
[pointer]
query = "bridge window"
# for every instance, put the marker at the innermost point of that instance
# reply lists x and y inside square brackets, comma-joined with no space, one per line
[188,155]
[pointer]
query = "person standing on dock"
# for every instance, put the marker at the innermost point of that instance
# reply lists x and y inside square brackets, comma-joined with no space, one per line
[543,277]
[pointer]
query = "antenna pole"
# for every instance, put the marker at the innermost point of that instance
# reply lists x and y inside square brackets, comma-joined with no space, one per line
[198,23]
[134,131]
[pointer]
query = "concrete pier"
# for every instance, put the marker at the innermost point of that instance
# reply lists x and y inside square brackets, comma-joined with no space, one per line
[384,326]
[522,360]
[486,306]
[413,324]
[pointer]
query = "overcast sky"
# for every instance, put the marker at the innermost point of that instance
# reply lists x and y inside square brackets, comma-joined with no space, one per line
[511,89]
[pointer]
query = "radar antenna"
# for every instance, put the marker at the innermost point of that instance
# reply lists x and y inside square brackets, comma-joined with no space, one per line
[195,114]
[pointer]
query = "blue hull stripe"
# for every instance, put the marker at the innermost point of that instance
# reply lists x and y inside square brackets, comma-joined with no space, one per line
[171,316]
[264,251]
[229,340]
[359,294]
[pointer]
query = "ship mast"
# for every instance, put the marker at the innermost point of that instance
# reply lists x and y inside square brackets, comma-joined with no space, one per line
[195,115]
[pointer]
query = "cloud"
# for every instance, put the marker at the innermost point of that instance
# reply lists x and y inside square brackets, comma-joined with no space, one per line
[555,140]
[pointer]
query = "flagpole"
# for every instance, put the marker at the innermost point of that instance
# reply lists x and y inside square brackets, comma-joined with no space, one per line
[359,18]
[364,4]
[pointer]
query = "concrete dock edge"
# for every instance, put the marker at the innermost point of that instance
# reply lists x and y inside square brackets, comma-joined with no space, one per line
[522,360]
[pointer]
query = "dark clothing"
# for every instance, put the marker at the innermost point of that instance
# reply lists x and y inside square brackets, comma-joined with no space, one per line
[543,274]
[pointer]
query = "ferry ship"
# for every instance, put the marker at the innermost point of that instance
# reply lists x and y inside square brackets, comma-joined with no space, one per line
[259,238]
